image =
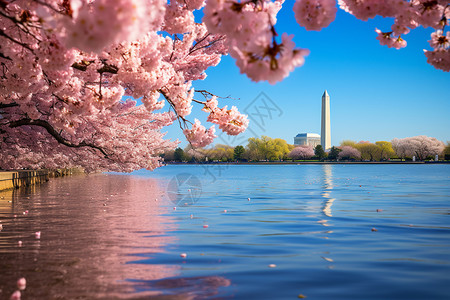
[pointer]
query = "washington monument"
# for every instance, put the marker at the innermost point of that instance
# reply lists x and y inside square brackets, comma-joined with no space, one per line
[325,134]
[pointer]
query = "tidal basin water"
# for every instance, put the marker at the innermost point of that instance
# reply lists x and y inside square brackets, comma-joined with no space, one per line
[247,232]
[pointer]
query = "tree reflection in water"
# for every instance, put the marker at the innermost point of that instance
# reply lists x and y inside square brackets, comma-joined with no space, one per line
[94,230]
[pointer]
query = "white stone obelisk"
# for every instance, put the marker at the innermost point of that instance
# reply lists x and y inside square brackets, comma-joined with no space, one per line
[325,136]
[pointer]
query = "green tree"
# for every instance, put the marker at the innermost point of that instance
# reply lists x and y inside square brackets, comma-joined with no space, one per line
[220,152]
[279,149]
[179,155]
[319,152]
[169,155]
[348,143]
[266,148]
[368,151]
[386,150]
[334,153]
[446,152]
[238,152]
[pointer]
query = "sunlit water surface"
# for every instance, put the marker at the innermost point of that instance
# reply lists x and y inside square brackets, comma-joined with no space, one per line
[248,232]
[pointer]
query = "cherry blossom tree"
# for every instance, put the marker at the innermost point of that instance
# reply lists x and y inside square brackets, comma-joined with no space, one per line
[302,152]
[349,152]
[420,146]
[84,82]
[71,72]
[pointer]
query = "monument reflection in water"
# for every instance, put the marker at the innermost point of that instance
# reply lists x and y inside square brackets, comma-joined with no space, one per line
[95,232]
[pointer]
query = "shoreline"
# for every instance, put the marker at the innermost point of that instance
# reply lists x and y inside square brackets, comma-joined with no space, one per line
[20,178]
[312,163]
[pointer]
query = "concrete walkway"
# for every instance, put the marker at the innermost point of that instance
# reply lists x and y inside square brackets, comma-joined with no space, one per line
[16,179]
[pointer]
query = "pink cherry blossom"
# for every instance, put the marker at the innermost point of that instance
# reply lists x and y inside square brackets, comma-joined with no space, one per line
[15,296]
[366,9]
[229,120]
[349,152]
[438,40]
[22,284]
[315,14]
[429,13]
[301,152]
[387,39]
[420,146]
[103,22]
[439,58]
[198,136]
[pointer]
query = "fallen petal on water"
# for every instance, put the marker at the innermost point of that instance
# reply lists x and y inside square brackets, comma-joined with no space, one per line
[272,266]
[183,255]
[15,296]
[21,283]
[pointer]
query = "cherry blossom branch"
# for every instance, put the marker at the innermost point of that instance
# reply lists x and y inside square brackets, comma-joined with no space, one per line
[206,93]
[6,105]
[65,3]
[4,56]
[193,48]
[2,33]
[82,65]
[52,131]
[19,22]
[444,18]
[198,42]
[166,96]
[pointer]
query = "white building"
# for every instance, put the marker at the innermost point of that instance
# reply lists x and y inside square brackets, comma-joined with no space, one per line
[307,139]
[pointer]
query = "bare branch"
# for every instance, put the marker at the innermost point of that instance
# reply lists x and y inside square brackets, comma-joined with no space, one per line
[205,94]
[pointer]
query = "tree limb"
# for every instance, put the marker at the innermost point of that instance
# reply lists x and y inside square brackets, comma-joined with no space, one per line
[52,131]
[6,105]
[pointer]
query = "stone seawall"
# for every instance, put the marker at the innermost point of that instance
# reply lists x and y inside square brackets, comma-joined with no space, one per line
[16,179]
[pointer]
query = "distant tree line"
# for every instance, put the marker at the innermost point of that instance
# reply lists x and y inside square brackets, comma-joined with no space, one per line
[269,149]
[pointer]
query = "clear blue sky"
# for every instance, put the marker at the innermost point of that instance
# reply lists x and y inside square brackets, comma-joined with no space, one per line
[377,93]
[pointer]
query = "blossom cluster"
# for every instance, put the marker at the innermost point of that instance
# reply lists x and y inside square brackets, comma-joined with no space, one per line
[249,27]
[198,136]
[408,15]
[72,72]
[420,146]
[440,56]
[315,14]
[95,25]
[230,121]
